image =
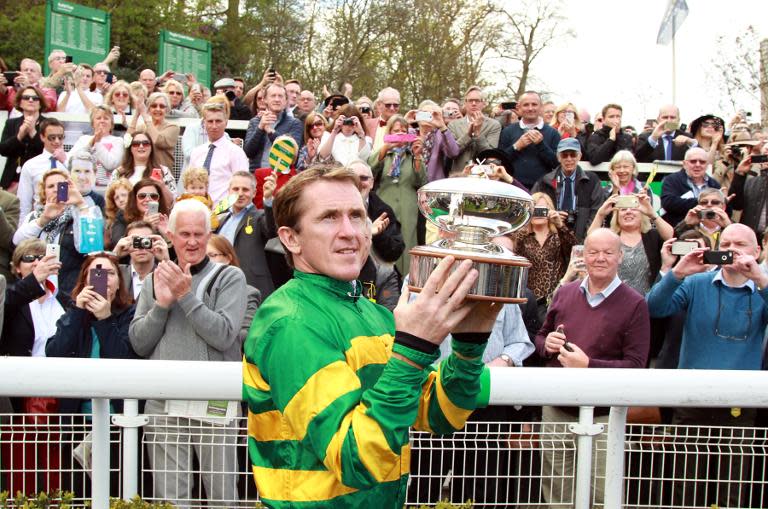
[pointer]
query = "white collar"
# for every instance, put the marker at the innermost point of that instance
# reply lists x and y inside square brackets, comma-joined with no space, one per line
[539,125]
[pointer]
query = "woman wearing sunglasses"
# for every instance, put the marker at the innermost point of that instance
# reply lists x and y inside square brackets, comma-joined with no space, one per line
[315,132]
[140,162]
[144,192]
[163,135]
[20,141]
[120,102]
[33,304]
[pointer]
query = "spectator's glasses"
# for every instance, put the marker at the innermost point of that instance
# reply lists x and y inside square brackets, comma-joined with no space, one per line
[100,71]
[174,92]
[319,124]
[151,196]
[158,105]
[720,309]
[711,203]
[364,178]
[392,106]
[365,109]
[141,143]
[216,255]
[569,154]
[33,98]
[697,161]
[712,123]
[29,258]
[54,137]
[120,94]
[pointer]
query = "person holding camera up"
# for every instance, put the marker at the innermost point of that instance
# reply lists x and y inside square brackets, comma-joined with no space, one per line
[666,142]
[576,193]
[680,191]
[264,129]
[709,216]
[145,248]
[749,195]
[348,139]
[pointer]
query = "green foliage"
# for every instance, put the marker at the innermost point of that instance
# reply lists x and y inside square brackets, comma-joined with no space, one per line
[57,499]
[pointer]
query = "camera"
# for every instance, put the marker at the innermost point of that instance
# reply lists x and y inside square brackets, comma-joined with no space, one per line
[707,214]
[142,243]
[540,211]
[627,202]
[736,153]
[230,95]
[480,169]
[347,121]
[570,221]
[718,257]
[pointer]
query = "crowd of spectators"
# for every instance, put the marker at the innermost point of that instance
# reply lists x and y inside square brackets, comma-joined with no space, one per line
[185,259]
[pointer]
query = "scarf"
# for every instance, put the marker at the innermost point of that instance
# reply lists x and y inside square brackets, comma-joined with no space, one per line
[56,226]
[400,152]
[428,144]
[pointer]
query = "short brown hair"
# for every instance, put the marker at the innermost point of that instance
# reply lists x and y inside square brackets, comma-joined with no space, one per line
[121,300]
[287,205]
[46,175]
[25,247]
[611,107]
[39,93]
[222,244]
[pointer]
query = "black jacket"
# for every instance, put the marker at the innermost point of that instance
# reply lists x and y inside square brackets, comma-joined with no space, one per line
[240,111]
[18,152]
[73,338]
[601,147]
[255,228]
[18,329]
[673,187]
[644,153]
[750,197]
[389,244]
[589,196]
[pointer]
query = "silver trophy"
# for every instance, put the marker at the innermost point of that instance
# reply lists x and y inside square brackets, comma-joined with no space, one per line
[470,211]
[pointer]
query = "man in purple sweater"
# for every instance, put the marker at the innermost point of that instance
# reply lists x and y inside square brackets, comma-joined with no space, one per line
[599,322]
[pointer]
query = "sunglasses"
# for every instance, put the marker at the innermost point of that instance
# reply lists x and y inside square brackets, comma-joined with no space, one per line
[30,98]
[158,105]
[54,137]
[710,202]
[391,106]
[568,154]
[365,109]
[151,196]
[174,92]
[29,258]
[141,143]
[712,123]
[697,161]
[120,94]
[318,124]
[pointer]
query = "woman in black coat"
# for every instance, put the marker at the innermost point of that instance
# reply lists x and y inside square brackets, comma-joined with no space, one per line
[20,140]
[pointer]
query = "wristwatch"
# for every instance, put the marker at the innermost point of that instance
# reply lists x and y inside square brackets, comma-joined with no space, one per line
[506,358]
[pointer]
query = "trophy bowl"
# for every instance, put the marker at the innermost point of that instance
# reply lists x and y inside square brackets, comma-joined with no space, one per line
[470,212]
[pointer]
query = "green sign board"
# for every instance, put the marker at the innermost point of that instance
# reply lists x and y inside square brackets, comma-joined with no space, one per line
[184,54]
[82,32]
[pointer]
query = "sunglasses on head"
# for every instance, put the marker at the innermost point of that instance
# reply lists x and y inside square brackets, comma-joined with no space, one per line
[151,196]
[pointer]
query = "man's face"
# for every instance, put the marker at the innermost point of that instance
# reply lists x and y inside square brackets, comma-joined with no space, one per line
[293,90]
[87,78]
[548,111]
[366,179]
[84,176]
[738,238]
[53,138]
[243,188]
[474,102]
[332,233]
[147,77]
[390,105]
[569,160]
[31,71]
[602,256]
[215,124]
[612,118]
[695,163]
[190,238]
[669,114]
[100,73]
[307,101]
[711,201]
[529,108]
[56,60]
[140,255]
[239,88]
[451,110]
[275,99]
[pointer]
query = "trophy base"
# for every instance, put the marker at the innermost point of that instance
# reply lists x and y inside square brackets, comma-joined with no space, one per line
[502,276]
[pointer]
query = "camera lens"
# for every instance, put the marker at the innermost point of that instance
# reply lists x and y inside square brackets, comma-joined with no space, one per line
[146,243]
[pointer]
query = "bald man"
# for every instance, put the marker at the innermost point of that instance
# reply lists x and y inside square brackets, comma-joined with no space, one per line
[667,142]
[680,191]
[599,322]
[727,313]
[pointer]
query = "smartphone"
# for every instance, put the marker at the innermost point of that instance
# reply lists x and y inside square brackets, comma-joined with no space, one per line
[153,207]
[570,117]
[761,158]
[110,77]
[577,251]
[62,192]
[567,345]
[98,280]
[181,78]
[627,202]
[540,211]
[671,125]
[511,105]
[423,116]
[10,76]
[157,174]
[68,59]
[683,247]
[718,257]
[52,249]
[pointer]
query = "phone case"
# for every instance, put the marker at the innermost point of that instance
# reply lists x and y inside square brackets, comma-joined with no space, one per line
[98,280]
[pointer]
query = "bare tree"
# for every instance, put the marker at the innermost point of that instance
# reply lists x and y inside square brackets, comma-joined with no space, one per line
[532,27]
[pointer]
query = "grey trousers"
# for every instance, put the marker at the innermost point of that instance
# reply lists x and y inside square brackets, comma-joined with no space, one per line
[170,442]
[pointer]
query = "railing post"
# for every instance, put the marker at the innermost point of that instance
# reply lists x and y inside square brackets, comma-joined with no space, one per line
[130,422]
[100,452]
[614,461]
[585,430]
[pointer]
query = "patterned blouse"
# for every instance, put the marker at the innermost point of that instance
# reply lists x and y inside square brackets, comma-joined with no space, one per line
[548,262]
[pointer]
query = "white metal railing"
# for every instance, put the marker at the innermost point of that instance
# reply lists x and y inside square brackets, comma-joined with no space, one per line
[103,379]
